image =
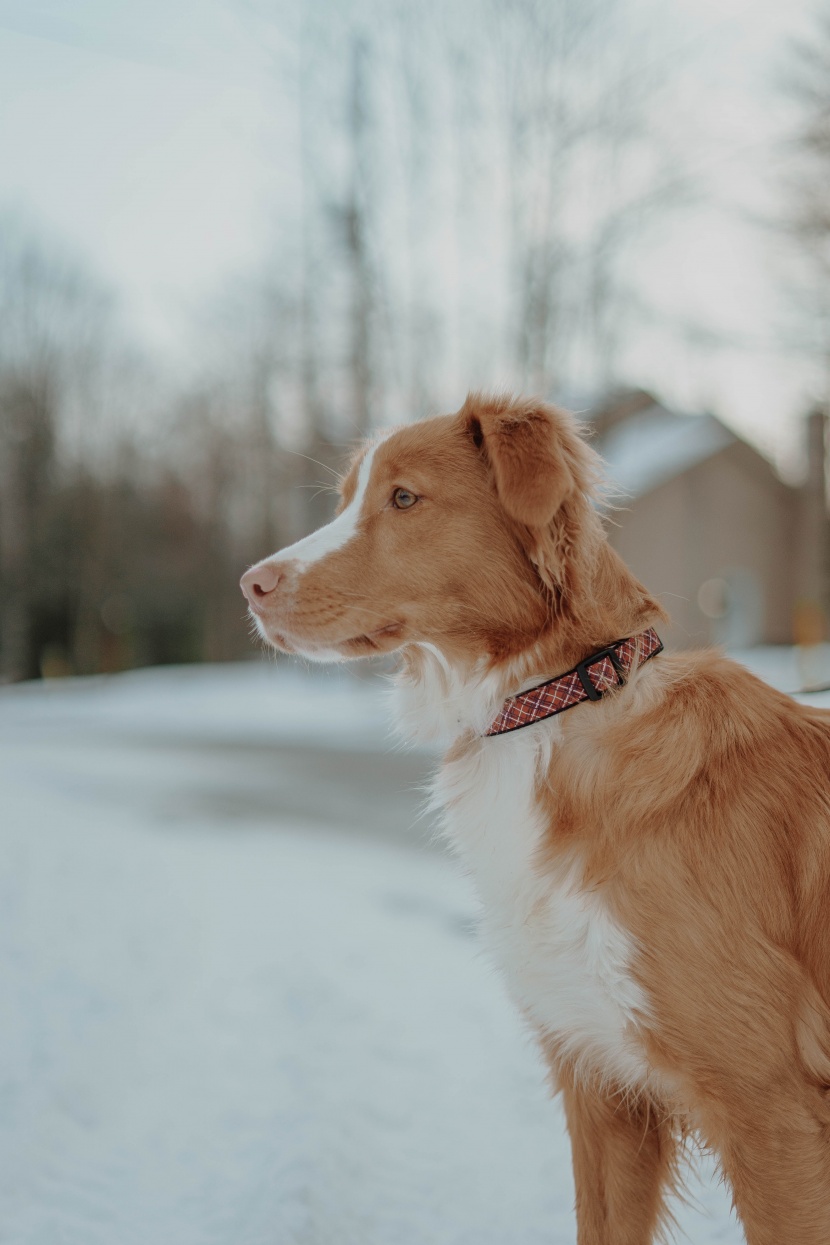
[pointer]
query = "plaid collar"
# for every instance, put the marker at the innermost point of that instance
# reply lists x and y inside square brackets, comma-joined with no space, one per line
[589,680]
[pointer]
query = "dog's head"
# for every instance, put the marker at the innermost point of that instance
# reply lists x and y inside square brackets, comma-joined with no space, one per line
[471,531]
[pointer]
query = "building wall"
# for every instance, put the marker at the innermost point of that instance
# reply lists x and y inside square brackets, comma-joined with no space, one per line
[729,519]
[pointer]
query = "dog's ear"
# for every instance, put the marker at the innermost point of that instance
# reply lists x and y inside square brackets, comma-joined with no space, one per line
[534,451]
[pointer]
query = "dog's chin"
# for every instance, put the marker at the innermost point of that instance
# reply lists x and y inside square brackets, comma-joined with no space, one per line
[273,638]
[383,640]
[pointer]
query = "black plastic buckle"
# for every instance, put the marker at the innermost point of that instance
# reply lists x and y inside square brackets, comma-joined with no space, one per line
[593,693]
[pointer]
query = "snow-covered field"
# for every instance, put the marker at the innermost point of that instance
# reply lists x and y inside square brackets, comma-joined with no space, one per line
[241,998]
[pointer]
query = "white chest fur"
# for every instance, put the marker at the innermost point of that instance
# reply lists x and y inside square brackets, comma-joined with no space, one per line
[566,960]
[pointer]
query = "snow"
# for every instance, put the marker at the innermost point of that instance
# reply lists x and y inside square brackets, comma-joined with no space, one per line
[652,447]
[790,669]
[253,702]
[225,1023]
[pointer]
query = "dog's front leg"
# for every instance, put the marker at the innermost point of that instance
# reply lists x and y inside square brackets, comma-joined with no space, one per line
[624,1161]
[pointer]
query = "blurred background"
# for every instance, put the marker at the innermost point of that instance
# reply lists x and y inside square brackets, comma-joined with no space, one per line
[236,236]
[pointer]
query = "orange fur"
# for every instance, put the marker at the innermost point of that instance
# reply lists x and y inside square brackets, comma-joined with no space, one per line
[696,800]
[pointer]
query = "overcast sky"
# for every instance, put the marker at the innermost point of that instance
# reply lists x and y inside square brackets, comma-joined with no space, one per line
[152,136]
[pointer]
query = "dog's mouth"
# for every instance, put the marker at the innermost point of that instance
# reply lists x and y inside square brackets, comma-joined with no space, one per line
[374,641]
[380,640]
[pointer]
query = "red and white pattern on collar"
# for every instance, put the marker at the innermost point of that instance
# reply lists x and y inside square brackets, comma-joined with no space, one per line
[602,671]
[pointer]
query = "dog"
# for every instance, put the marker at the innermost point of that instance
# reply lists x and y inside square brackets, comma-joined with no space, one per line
[653,864]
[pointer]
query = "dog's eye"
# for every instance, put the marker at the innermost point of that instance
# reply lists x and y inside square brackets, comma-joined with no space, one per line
[402,499]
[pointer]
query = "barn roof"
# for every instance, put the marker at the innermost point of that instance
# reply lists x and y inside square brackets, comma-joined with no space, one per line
[653,445]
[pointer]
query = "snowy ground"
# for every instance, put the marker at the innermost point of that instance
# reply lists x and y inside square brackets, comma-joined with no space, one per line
[241,997]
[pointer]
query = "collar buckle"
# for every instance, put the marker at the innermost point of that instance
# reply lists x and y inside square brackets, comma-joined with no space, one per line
[591,691]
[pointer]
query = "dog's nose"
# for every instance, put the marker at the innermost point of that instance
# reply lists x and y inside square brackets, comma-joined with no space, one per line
[259,582]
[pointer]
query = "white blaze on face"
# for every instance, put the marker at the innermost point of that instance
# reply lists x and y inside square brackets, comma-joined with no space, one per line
[314,548]
[336,534]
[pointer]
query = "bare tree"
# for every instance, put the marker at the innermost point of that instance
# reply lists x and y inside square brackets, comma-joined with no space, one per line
[523,122]
[356,228]
[807,216]
[51,321]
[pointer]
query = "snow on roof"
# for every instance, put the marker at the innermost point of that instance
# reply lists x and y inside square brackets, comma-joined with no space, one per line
[654,445]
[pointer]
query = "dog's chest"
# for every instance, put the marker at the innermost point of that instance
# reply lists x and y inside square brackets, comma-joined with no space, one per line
[567,962]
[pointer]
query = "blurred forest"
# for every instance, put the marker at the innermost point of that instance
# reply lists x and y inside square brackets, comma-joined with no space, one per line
[131,499]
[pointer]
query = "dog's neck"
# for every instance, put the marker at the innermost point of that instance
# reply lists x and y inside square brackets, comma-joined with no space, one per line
[442,695]
[438,700]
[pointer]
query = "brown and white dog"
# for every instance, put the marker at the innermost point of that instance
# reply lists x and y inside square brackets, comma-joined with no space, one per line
[654,867]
